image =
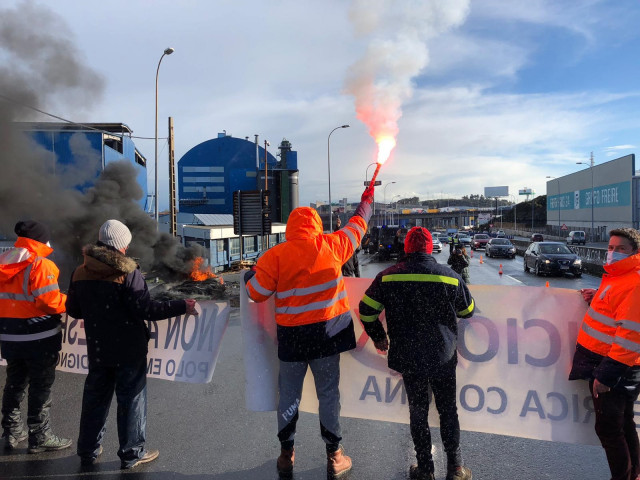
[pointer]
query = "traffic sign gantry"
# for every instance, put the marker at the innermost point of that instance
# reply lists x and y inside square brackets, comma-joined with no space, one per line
[375,184]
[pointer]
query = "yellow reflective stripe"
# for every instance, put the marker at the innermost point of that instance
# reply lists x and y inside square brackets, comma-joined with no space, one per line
[372,303]
[369,318]
[467,310]
[420,277]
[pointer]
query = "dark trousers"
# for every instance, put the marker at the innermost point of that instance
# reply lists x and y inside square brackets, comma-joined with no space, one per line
[443,387]
[130,385]
[617,432]
[39,374]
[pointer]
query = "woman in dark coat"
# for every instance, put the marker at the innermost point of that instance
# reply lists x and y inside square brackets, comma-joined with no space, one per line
[459,261]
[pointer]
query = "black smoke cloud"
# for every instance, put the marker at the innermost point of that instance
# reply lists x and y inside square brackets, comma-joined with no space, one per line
[41,67]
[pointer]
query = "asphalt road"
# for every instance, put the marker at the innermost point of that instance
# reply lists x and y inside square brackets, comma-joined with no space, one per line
[204,431]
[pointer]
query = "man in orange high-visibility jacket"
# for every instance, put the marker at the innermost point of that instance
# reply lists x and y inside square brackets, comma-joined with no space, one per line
[608,353]
[313,321]
[30,336]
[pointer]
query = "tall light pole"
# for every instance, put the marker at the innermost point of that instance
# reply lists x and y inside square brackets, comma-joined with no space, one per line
[167,51]
[558,182]
[393,209]
[385,200]
[329,171]
[591,163]
[515,219]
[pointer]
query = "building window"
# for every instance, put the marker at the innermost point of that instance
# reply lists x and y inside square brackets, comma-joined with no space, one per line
[234,246]
[203,179]
[202,169]
[273,240]
[202,189]
[249,244]
[113,142]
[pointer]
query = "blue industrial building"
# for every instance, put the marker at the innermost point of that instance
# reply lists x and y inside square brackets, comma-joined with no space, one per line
[90,146]
[210,172]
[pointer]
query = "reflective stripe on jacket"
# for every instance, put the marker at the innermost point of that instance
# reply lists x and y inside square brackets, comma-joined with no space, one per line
[422,301]
[304,272]
[30,298]
[611,326]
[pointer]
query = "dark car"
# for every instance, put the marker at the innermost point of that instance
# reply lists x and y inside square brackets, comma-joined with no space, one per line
[444,239]
[391,242]
[500,247]
[480,240]
[464,239]
[551,257]
[372,244]
[537,237]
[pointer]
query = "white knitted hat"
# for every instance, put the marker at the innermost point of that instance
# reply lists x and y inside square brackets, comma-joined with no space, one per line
[115,234]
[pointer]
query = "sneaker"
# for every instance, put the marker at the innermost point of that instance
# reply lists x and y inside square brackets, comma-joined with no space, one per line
[460,473]
[87,461]
[417,473]
[149,456]
[11,442]
[51,443]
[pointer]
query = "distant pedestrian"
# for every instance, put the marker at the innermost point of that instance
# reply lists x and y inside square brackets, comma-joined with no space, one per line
[422,301]
[31,305]
[460,261]
[111,295]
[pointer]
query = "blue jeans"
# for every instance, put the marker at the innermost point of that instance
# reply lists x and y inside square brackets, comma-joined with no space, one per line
[326,375]
[130,385]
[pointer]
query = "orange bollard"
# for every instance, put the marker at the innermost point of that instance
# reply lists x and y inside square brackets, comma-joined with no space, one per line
[481,261]
[500,271]
[547,285]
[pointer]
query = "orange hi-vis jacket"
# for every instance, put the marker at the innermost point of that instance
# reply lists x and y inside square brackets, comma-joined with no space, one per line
[28,289]
[611,326]
[305,271]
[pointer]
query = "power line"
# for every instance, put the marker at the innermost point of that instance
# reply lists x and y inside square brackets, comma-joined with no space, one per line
[71,122]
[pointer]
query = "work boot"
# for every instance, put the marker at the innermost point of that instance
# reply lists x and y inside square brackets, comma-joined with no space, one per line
[11,441]
[417,473]
[50,444]
[285,462]
[338,464]
[149,456]
[459,473]
[88,461]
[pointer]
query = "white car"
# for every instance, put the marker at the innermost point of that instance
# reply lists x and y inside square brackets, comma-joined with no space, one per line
[437,246]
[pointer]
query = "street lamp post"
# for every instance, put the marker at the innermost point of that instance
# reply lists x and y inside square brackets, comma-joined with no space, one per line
[590,164]
[515,219]
[167,51]
[394,209]
[329,172]
[385,200]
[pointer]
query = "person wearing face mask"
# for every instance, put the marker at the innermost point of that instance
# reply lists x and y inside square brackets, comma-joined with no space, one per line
[608,353]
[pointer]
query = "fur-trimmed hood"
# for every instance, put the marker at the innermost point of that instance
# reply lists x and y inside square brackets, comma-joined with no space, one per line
[106,262]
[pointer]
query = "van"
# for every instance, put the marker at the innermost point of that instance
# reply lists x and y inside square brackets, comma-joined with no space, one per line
[576,237]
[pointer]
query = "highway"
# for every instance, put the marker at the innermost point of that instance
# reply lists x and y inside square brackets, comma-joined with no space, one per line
[205,432]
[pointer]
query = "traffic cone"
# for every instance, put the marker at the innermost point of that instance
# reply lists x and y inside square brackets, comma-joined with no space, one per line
[547,285]
[500,271]
[481,261]
[471,254]
[221,280]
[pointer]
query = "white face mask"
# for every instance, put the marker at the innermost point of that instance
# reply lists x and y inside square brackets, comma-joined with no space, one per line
[613,257]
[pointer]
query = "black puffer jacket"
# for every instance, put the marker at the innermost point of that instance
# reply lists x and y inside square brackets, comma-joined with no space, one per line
[110,294]
[422,301]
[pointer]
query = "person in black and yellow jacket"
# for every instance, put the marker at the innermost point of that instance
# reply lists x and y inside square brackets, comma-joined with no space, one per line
[422,301]
[608,353]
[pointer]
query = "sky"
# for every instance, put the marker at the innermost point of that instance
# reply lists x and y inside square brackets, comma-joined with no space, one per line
[478,93]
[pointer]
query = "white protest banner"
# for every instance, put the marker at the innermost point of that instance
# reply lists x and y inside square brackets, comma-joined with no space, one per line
[514,359]
[181,349]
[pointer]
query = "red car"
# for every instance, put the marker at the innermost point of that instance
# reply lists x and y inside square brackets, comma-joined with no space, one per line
[480,240]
